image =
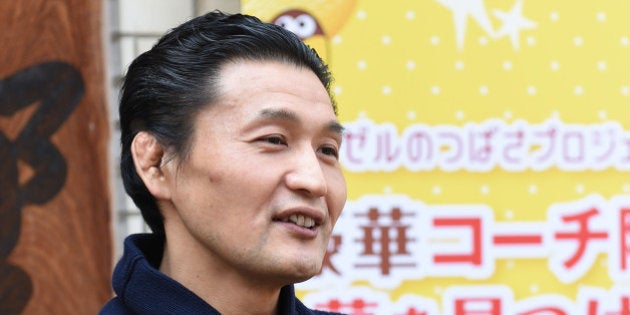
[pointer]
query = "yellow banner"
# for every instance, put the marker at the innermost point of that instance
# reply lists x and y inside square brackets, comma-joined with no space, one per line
[487,153]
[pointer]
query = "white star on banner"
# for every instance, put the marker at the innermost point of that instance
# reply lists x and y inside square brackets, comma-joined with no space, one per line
[461,10]
[513,23]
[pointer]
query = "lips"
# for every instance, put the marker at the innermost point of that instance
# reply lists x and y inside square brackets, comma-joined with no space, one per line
[305,218]
[301,220]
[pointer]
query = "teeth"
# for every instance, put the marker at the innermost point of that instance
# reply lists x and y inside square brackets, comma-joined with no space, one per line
[302,220]
[309,222]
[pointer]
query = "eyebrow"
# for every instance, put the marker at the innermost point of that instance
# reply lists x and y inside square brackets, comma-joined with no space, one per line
[286,115]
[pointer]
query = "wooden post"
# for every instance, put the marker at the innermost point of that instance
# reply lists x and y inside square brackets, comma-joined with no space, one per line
[55,235]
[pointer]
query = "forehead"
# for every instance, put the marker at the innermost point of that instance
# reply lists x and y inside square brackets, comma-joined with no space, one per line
[240,75]
[246,85]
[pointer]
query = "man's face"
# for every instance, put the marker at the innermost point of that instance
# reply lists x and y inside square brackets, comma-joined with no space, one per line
[262,186]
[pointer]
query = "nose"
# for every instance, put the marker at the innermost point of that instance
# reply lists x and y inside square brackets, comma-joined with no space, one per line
[306,174]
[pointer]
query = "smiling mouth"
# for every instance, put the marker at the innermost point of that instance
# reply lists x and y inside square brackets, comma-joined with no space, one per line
[300,220]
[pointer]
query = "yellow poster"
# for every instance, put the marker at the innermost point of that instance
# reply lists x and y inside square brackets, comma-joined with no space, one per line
[487,154]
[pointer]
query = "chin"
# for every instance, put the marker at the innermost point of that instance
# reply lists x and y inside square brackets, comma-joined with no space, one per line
[304,277]
[302,280]
[306,269]
[293,276]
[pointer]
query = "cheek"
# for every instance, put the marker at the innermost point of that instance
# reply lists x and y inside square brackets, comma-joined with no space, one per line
[246,188]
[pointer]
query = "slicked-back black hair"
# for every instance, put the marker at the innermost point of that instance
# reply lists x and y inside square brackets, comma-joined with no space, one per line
[166,86]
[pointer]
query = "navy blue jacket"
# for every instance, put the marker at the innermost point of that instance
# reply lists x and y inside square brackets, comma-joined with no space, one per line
[142,289]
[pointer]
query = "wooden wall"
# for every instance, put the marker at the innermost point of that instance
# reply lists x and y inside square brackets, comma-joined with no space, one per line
[55,234]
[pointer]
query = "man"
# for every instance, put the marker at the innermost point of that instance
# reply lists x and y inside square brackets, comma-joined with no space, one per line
[230,148]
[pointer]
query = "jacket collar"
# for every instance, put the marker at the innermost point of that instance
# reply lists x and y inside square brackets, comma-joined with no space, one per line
[146,290]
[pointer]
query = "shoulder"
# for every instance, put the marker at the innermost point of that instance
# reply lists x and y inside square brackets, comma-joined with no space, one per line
[115,307]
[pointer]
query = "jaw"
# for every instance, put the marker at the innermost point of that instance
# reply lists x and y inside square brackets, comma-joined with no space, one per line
[301,257]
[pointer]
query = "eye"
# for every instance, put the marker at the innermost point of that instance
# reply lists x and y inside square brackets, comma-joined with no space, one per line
[330,151]
[285,21]
[303,25]
[306,26]
[274,139]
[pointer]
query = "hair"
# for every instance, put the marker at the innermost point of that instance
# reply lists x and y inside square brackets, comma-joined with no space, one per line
[166,86]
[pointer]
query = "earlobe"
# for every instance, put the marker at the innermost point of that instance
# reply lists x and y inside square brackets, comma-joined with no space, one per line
[148,154]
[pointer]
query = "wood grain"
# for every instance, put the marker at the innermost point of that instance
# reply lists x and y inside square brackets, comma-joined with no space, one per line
[64,245]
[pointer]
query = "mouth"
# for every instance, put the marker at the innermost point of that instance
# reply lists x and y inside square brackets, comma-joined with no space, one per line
[302,218]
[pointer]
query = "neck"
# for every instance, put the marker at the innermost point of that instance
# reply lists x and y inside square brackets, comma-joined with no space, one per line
[189,263]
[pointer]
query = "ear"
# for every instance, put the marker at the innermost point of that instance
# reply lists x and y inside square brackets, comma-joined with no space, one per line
[147,156]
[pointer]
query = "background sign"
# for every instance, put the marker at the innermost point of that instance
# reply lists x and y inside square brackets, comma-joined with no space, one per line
[55,232]
[487,154]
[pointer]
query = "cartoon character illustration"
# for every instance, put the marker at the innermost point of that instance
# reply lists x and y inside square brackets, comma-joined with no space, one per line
[315,22]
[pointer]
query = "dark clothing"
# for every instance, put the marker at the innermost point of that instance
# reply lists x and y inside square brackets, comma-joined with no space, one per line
[142,289]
